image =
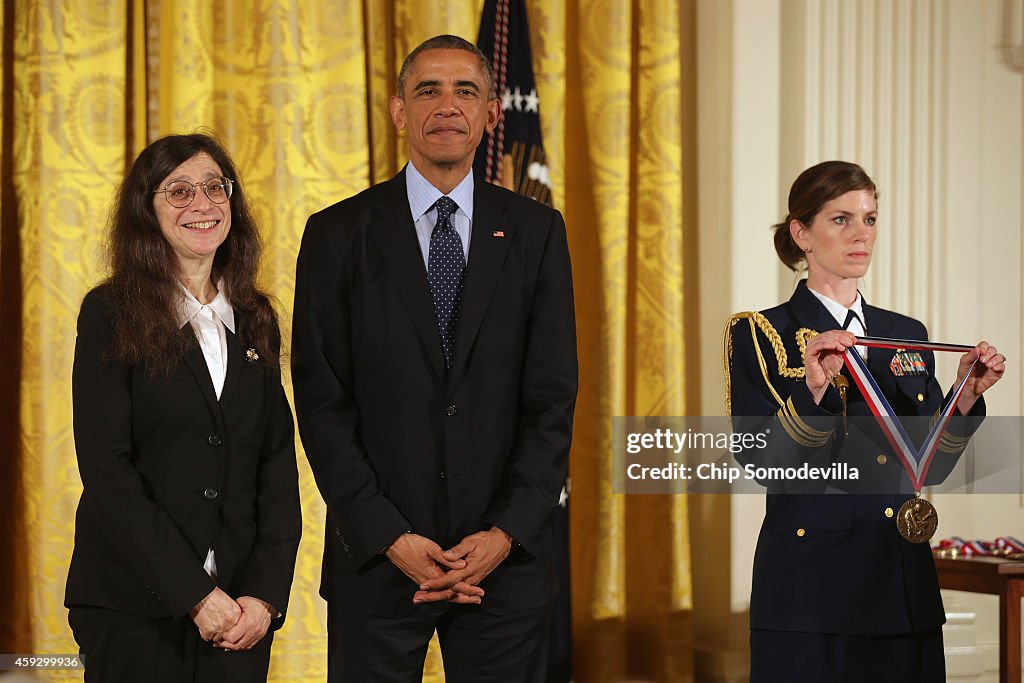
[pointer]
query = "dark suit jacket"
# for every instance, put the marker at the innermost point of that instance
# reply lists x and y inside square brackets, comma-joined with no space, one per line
[396,442]
[168,472]
[850,571]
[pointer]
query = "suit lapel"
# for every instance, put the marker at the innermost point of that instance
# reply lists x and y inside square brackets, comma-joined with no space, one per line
[197,364]
[394,233]
[809,312]
[486,257]
[235,359]
[879,359]
[812,313]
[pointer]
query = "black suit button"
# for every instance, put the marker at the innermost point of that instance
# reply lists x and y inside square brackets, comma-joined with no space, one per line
[214,440]
[450,410]
[444,475]
[211,494]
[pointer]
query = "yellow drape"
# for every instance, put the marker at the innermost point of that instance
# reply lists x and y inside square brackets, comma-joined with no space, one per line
[298,92]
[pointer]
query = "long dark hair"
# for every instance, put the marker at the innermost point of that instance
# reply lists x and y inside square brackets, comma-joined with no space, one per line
[143,281]
[814,187]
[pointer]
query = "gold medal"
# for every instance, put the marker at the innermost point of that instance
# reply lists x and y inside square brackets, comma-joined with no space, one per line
[917,520]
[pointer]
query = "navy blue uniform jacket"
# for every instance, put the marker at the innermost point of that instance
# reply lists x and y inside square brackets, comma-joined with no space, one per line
[835,563]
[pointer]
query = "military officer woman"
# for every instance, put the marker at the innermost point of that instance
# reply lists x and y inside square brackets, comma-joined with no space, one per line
[838,593]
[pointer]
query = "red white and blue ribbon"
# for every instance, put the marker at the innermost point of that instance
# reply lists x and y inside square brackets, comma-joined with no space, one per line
[915,461]
[1003,545]
[1009,544]
[903,344]
[977,548]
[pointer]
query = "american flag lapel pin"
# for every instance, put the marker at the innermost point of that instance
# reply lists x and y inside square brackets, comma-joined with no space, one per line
[498,233]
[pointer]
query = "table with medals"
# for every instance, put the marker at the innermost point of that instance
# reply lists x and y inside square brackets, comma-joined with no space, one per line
[994,576]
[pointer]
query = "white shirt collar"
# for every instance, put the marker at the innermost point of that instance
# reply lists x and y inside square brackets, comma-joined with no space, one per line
[839,311]
[189,307]
[422,194]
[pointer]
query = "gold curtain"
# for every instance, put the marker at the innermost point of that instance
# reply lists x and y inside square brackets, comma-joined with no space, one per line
[298,93]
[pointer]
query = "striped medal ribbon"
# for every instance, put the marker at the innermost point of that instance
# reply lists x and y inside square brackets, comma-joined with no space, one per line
[917,518]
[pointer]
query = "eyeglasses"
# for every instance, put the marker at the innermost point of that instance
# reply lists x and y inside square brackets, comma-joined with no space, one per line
[180,193]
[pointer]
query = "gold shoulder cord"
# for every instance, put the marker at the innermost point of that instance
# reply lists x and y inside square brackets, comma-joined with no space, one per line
[758,322]
[800,431]
[804,335]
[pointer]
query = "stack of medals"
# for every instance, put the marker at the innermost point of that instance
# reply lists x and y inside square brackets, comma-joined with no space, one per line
[917,518]
[956,547]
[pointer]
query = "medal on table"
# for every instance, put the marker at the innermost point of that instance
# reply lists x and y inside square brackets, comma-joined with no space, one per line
[917,518]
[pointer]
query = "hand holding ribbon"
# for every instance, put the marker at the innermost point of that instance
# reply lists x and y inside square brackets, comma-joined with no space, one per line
[823,359]
[986,367]
[981,364]
[917,518]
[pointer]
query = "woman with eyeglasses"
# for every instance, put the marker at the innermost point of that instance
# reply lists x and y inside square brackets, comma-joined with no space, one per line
[189,521]
[844,586]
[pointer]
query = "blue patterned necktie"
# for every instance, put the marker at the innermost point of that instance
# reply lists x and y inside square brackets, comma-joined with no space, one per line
[446,263]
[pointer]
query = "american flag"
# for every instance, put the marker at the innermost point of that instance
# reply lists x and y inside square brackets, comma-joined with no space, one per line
[505,38]
[516,148]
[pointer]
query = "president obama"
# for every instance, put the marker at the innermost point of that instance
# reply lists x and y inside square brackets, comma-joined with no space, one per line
[435,372]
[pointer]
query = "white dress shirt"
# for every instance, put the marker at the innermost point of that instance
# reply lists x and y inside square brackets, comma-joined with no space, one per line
[839,312]
[209,322]
[422,196]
